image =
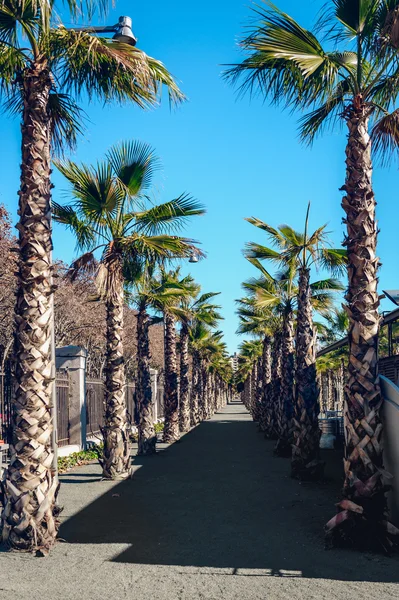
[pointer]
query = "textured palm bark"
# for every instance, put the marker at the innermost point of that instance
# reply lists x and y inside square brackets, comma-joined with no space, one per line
[330,390]
[203,399]
[29,489]
[273,392]
[116,456]
[254,385]
[258,391]
[286,400]
[195,391]
[362,516]
[184,400]
[305,463]
[265,382]
[147,436]
[171,431]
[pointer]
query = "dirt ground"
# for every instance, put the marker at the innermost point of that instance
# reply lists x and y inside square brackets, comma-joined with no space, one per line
[215,516]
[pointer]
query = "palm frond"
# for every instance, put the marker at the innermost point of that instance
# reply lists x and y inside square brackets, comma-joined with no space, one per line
[385,136]
[86,64]
[83,231]
[173,214]
[134,164]
[67,122]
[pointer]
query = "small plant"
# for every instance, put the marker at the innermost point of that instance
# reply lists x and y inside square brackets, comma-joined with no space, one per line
[65,463]
[159,427]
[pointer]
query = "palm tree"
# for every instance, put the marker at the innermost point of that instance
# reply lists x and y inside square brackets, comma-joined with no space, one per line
[147,292]
[44,67]
[109,214]
[262,323]
[356,84]
[192,310]
[204,343]
[281,294]
[185,288]
[302,251]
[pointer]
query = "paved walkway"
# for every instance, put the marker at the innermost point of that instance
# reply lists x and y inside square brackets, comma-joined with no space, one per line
[212,517]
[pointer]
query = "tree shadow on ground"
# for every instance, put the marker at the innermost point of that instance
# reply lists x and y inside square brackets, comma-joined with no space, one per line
[220,499]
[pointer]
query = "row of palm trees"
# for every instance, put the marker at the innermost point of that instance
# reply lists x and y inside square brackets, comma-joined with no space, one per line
[346,70]
[278,309]
[45,71]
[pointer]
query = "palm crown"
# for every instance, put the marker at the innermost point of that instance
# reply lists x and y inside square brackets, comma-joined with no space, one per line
[109,212]
[80,62]
[289,63]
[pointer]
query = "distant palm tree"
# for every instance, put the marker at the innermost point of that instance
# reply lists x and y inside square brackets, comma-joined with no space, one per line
[281,295]
[44,68]
[192,310]
[109,214]
[263,323]
[355,84]
[301,251]
[185,288]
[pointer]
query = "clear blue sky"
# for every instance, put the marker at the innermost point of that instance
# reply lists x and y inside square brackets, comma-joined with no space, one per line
[239,157]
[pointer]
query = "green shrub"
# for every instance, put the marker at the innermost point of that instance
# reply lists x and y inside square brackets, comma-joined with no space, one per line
[79,458]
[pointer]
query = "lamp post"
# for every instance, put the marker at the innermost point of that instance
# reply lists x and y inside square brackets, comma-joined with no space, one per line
[122,30]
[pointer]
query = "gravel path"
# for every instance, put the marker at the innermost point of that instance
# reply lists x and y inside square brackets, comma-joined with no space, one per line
[212,517]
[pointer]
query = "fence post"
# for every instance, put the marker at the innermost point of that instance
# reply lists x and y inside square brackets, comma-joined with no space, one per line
[154,389]
[73,359]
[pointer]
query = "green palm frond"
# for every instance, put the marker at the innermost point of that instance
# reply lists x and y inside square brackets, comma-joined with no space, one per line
[67,122]
[82,230]
[108,69]
[134,164]
[173,214]
[385,135]
[257,251]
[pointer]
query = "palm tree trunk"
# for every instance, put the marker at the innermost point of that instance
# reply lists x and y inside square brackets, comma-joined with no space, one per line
[286,401]
[116,457]
[330,390]
[305,462]
[203,401]
[273,392]
[171,400]
[265,381]
[363,512]
[147,436]
[184,381]
[195,390]
[29,490]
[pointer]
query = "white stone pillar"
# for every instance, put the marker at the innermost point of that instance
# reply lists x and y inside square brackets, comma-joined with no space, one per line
[154,388]
[73,359]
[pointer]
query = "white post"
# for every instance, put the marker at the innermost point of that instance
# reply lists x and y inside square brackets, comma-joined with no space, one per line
[73,359]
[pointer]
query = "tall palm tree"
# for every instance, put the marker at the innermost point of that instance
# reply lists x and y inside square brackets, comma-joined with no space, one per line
[303,250]
[145,292]
[262,323]
[184,288]
[109,215]
[44,68]
[192,310]
[203,343]
[356,84]
[281,295]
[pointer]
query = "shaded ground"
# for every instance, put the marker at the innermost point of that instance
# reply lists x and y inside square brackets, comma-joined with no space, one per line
[213,517]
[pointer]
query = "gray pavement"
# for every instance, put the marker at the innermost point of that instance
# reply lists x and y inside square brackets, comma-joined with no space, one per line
[212,517]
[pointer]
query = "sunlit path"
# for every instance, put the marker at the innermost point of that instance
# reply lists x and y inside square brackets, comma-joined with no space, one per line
[214,516]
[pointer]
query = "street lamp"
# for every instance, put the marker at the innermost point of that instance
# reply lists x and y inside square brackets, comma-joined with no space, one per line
[193,257]
[122,30]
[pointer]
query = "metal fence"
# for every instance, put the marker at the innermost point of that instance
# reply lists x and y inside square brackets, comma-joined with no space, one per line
[62,395]
[95,405]
[6,392]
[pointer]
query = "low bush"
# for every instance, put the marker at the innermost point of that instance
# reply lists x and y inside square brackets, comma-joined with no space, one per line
[65,463]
